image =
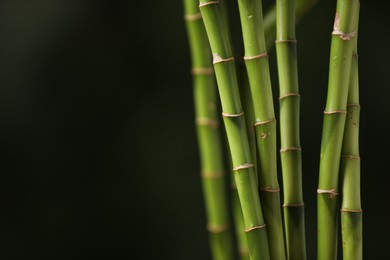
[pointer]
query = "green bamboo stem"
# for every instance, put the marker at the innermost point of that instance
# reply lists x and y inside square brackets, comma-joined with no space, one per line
[302,7]
[290,152]
[333,126]
[244,174]
[256,61]
[351,212]
[209,139]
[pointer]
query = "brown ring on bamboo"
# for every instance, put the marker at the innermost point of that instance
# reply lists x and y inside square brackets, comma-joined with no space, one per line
[243,166]
[332,192]
[337,32]
[215,229]
[281,41]
[204,121]
[261,55]
[289,95]
[202,71]
[209,174]
[335,112]
[208,3]
[225,114]
[264,122]
[218,59]
[350,156]
[290,149]
[353,105]
[294,205]
[254,228]
[355,54]
[351,210]
[269,189]
[192,17]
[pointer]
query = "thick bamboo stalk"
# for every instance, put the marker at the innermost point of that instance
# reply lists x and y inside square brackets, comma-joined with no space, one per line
[209,139]
[256,61]
[244,174]
[351,212]
[290,152]
[333,127]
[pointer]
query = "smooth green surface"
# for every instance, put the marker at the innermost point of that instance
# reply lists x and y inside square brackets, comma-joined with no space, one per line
[236,130]
[351,222]
[291,160]
[260,84]
[333,129]
[209,139]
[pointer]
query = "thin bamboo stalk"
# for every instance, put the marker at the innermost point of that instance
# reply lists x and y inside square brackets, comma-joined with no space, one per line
[256,61]
[290,153]
[244,174]
[333,126]
[351,212]
[209,139]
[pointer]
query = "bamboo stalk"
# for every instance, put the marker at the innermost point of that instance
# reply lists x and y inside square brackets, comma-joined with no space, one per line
[290,153]
[333,126]
[302,7]
[256,61]
[209,139]
[351,212]
[244,174]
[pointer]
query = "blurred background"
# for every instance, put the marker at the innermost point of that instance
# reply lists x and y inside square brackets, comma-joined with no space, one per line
[98,153]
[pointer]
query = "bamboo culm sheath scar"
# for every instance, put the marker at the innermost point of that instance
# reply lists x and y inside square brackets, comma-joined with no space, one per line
[244,173]
[209,139]
[351,212]
[290,152]
[344,31]
[256,61]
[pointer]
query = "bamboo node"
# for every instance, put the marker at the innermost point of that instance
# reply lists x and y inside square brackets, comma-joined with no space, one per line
[192,17]
[218,59]
[204,121]
[209,174]
[351,210]
[290,149]
[261,55]
[217,228]
[202,71]
[286,40]
[335,112]
[350,156]
[208,3]
[332,192]
[269,189]
[254,228]
[355,54]
[353,105]
[264,122]
[337,32]
[232,115]
[289,95]
[244,166]
[294,205]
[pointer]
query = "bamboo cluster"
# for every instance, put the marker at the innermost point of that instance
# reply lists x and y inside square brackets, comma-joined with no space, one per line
[266,228]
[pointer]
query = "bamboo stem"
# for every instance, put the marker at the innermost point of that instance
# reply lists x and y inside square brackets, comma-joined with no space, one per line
[351,212]
[244,173]
[290,153]
[333,126]
[256,61]
[209,139]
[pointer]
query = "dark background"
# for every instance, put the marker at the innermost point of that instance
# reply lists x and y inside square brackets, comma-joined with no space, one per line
[98,155]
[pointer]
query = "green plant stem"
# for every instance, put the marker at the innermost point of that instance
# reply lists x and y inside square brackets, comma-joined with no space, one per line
[351,212]
[244,173]
[290,152]
[256,61]
[302,7]
[209,139]
[333,126]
